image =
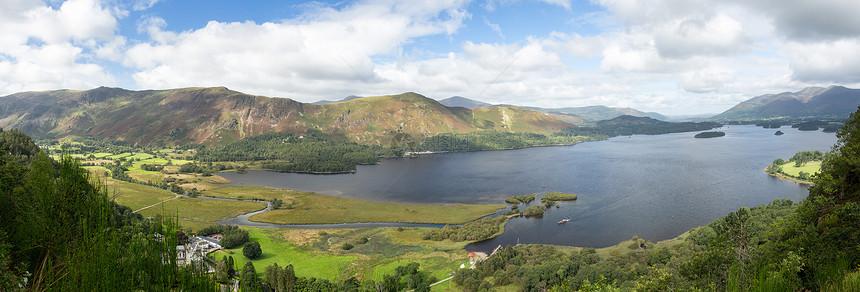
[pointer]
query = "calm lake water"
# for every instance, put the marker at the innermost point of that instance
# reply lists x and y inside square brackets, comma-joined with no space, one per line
[656,187]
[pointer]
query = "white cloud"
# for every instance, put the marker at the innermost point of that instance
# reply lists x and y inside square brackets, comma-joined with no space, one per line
[294,58]
[562,3]
[143,4]
[495,27]
[718,35]
[706,80]
[46,48]
[834,61]
[810,20]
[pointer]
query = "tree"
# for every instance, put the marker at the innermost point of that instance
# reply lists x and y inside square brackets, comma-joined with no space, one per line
[231,267]
[252,250]
[250,282]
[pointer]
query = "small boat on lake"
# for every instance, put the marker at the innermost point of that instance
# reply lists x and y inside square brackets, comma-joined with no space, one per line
[563,221]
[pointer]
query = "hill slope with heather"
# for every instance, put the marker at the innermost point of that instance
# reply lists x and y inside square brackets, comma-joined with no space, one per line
[219,115]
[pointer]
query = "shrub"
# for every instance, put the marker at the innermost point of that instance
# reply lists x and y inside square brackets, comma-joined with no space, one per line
[558,196]
[346,246]
[252,250]
[534,211]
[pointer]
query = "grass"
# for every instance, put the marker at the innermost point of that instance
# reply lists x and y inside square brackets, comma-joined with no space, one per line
[134,196]
[144,175]
[311,208]
[306,261]
[437,266]
[193,225]
[809,167]
[202,209]
[318,253]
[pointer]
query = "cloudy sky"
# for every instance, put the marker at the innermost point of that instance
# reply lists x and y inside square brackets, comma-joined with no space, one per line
[669,56]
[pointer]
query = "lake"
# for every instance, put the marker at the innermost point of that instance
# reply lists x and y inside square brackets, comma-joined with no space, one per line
[656,187]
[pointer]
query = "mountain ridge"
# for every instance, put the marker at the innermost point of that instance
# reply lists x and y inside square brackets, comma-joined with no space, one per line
[211,115]
[813,102]
[575,115]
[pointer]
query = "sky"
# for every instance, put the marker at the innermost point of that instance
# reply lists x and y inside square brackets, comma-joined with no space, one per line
[674,57]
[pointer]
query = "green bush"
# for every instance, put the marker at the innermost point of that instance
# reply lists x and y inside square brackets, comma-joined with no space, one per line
[252,250]
[534,211]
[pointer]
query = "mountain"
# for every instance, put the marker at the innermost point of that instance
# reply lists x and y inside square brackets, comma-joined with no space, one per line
[219,115]
[348,98]
[592,114]
[460,101]
[814,102]
[629,125]
[574,115]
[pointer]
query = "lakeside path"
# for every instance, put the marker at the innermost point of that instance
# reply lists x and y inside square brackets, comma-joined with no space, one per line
[156,204]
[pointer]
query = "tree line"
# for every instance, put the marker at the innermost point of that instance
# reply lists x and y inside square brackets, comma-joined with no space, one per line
[490,140]
[630,125]
[475,230]
[312,152]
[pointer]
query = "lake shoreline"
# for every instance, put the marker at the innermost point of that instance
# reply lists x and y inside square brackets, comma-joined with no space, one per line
[788,178]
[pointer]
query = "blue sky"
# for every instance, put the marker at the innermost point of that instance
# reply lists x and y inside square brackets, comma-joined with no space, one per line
[668,56]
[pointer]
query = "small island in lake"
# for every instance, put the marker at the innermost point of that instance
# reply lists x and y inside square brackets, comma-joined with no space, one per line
[710,134]
[524,199]
[778,133]
[558,196]
[548,200]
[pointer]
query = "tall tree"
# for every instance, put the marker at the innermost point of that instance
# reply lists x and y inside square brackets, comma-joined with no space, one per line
[250,282]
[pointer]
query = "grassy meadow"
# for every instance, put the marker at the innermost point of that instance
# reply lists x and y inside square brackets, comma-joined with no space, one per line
[319,253]
[311,208]
[809,167]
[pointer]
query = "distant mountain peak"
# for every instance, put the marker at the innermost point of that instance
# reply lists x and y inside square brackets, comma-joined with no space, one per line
[348,98]
[460,101]
[818,102]
[594,113]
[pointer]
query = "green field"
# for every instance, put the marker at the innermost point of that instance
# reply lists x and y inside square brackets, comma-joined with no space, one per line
[312,208]
[134,196]
[145,176]
[809,167]
[318,253]
[306,261]
[193,225]
[202,209]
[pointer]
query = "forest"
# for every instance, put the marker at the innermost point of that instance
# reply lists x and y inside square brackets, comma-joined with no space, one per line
[312,152]
[630,125]
[492,140]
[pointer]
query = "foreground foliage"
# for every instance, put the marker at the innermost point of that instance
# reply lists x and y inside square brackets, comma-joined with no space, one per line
[61,233]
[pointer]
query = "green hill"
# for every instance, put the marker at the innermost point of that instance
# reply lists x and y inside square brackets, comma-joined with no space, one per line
[219,115]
